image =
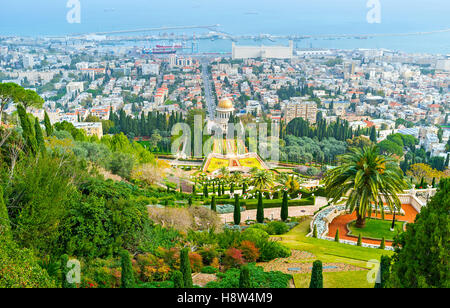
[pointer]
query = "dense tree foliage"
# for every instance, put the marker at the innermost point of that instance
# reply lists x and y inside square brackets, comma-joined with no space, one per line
[421,258]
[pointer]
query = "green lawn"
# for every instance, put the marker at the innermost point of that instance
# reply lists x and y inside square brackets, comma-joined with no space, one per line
[377,228]
[357,279]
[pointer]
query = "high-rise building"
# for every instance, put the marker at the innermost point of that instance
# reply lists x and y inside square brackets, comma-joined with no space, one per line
[306,110]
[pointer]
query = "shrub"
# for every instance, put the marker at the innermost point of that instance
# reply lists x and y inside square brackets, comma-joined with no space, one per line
[249,251]
[209,270]
[277,228]
[208,253]
[255,235]
[273,250]
[233,258]
[196,261]
[151,268]
[359,243]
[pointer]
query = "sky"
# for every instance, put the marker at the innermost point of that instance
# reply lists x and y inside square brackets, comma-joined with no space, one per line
[48,17]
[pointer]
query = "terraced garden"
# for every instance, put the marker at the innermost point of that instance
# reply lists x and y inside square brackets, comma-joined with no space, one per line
[345,266]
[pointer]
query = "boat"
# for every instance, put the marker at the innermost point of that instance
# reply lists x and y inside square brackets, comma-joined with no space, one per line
[159,51]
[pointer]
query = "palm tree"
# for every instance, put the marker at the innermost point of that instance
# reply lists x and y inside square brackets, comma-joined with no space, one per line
[365,177]
[262,179]
[236,178]
[224,172]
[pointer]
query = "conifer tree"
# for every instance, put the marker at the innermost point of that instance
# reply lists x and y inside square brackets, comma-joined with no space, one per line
[244,278]
[177,278]
[28,135]
[213,204]
[127,270]
[237,211]
[48,125]
[336,237]
[205,190]
[316,276]
[359,243]
[385,268]
[260,209]
[284,207]
[383,243]
[315,231]
[185,268]
[39,136]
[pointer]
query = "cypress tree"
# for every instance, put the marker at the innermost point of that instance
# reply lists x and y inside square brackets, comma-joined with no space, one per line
[213,204]
[433,184]
[127,270]
[223,189]
[244,188]
[205,190]
[260,209]
[315,231]
[385,267]
[214,188]
[219,190]
[232,188]
[316,276]
[28,135]
[285,207]
[336,237]
[177,278]
[359,243]
[5,225]
[190,201]
[39,136]
[373,134]
[64,271]
[383,243]
[48,125]
[185,268]
[237,211]
[244,278]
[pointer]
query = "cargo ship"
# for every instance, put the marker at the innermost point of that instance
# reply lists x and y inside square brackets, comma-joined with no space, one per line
[159,51]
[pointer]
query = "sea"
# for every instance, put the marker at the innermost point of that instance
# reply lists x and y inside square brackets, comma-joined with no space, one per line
[243,17]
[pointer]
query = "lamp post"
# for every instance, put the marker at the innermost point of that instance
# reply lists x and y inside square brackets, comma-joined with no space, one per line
[393,221]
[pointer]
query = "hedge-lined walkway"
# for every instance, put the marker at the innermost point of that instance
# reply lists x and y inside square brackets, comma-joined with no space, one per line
[342,221]
[294,211]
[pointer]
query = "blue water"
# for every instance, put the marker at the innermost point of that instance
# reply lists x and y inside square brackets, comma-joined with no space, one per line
[48,17]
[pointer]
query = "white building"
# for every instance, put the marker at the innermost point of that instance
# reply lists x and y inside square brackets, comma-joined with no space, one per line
[264,52]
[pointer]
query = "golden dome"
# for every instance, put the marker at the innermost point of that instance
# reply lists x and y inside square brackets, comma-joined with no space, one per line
[225,103]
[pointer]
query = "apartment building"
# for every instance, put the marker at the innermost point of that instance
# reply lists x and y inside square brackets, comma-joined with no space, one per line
[306,110]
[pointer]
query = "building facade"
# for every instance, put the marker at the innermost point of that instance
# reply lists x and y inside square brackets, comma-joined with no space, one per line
[306,110]
[264,52]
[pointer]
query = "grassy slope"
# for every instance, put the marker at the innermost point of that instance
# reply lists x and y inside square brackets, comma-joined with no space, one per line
[332,252]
